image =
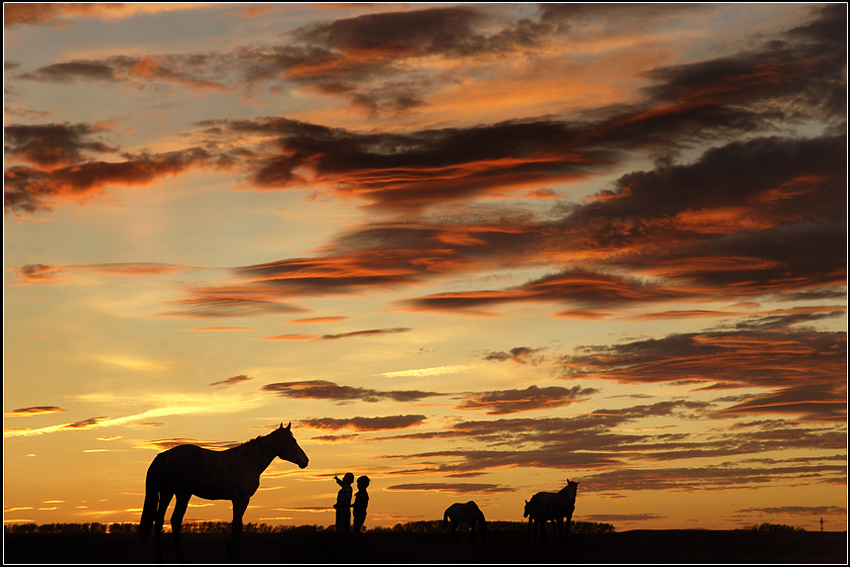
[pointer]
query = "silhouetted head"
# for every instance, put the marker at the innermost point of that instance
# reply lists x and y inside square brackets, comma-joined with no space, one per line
[525,510]
[572,489]
[287,446]
[348,478]
[363,482]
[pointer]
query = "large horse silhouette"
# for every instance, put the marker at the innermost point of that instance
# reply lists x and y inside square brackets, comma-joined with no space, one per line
[470,513]
[233,474]
[557,507]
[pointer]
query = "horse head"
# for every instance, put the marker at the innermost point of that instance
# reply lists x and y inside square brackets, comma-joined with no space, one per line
[525,511]
[287,446]
[571,489]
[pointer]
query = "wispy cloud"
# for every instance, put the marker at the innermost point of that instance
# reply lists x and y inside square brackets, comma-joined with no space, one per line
[434,371]
[531,398]
[232,380]
[325,390]
[365,423]
[451,488]
[36,410]
[335,336]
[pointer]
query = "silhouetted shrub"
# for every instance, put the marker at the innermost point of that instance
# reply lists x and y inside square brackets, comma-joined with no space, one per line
[27,528]
[591,528]
[768,527]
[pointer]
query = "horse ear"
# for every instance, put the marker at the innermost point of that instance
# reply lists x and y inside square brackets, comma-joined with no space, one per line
[288,426]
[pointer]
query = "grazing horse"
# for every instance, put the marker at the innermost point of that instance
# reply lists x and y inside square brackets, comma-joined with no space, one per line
[233,474]
[554,506]
[470,513]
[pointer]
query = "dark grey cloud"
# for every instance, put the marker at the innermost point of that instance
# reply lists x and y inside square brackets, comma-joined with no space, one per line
[366,333]
[804,369]
[72,71]
[51,144]
[529,399]
[31,190]
[35,410]
[520,355]
[365,423]
[597,442]
[325,390]
[452,488]
[230,302]
[707,478]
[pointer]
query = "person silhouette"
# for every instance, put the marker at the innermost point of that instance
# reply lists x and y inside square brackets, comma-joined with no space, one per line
[343,502]
[361,501]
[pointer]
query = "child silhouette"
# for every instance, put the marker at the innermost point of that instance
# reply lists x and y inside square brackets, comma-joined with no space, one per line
[361,501]
[343,502]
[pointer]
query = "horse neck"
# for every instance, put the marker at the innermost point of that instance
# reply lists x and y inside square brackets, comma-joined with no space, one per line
[260,451]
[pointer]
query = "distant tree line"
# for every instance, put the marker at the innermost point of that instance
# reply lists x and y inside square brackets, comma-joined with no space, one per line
[425,526]
[768,527]
[436,526]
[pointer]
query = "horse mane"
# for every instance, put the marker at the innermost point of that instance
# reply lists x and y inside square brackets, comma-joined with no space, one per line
[258,440]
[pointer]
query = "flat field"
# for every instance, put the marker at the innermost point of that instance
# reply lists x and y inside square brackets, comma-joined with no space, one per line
[395,547]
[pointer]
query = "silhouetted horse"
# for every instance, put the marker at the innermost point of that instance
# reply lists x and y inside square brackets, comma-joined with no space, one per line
[555,506]
[535,514]
[233,474]
[470,513]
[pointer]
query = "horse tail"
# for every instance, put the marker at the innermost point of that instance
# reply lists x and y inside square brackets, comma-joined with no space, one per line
[152,485]
[445,519]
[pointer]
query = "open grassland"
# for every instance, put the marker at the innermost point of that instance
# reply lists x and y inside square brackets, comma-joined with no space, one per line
[426,547]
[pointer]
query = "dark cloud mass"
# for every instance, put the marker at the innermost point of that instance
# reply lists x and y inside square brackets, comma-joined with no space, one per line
[50,145]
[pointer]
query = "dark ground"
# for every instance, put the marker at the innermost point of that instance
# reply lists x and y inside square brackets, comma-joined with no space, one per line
[635,547]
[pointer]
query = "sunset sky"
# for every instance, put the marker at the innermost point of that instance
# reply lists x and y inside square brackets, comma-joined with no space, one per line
[468,250]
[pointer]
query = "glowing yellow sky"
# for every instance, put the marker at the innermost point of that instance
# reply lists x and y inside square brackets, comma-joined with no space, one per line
[472,251]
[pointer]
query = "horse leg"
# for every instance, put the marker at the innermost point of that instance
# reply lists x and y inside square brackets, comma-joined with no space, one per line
[559,535]
[471,532]
[180,506]
[159,520]
[233,548]
[454,532]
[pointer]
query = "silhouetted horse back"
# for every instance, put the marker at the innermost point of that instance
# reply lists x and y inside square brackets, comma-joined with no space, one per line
[469,513]
[233,474]
[554,506]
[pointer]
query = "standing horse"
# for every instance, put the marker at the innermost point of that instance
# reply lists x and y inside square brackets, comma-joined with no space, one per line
[535,514]
[470,513]
[233,474]
[554,506]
